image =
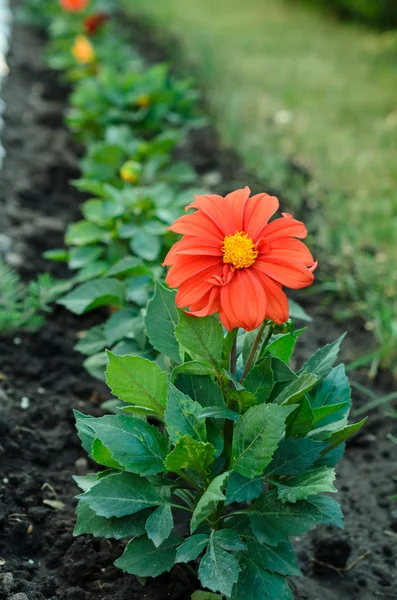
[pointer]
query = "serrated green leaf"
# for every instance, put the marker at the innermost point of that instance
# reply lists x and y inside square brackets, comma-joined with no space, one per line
[160,524]
[321,362]
[102,455]
[281,372]
[333,390]
[89,522]
[242,489]
[202,389]
[194,367]
[297,312]
[332,458]
[182,417]
[93,294]
[229,540]
[121,494]
[260,381]
[330,510]
[85,482]
[96,364]
[279,559]
[209,500]
[218,570]
[283,347]
[190,454]
[120,325]
[93,341]
[84,431]
[83,233]
[274,522]
[192,548]
[143,559]
[219,412]
[295,456]
[307,484]
[256,437]
[146,245]
[329,413]
[256,584]
[128,265]
[300,421]
[201,338]
[137,380]
[297,389]
[83,255]
[160,322]
[338,437]
[137,446]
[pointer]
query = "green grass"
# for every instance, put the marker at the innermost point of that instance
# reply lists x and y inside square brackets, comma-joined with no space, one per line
[286,82]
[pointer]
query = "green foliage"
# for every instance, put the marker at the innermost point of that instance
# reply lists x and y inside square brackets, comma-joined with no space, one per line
[381,13]
[208,460]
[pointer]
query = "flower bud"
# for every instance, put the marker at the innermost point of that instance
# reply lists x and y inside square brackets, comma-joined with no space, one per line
[130,171]
[83,50]
[93,22]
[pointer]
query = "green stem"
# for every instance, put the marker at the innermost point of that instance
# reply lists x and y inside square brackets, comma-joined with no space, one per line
[255,345]
[180,507]
[228,430]
[190,480]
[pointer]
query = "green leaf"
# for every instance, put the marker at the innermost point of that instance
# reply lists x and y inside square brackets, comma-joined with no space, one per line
[84,431]
[241,489]
[128,265]
[307,484]
[182,417]
[256,584]
[256,437]
[160,524]
[281,372]
[295,456]
[137,380]
[259,380]
[202,389]
[96,364]
[193,367]
[321,362]
[209,500]
[229,540]
[93,341]
[83,255]
[143,559]
[201,338]
[192,548]
[330,510]
[190,454]
[57,255]
[284,345]
[160,322]
[297,312]
[146,245]
[120,325]
[279,559]
[89,522]
[102,455]
[121,494]
[218,569]
[83,233]
[300,422]
[274,522]
[92,294]
[219,412]
[338,437]
[200,595]
[332,391]
[297,389]
[137,446]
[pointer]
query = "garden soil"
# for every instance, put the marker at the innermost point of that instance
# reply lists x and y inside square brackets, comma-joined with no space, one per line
[42,379]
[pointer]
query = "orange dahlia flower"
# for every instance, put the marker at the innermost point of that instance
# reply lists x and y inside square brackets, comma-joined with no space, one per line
[233,262]
[74,5]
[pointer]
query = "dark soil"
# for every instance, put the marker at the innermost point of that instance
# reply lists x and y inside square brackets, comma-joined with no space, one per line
[39,449]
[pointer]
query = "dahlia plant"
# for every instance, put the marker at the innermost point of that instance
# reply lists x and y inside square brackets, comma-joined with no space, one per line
[223,459]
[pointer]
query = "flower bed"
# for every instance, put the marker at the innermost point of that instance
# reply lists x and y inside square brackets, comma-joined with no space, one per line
[31,523]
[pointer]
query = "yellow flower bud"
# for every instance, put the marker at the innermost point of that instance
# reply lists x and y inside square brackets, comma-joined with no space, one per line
[130,171]
[143,101]
[83,50]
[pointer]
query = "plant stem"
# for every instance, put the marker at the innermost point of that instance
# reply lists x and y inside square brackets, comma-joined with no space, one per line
[233,357]
[190,480]
[255,345]
[181,507]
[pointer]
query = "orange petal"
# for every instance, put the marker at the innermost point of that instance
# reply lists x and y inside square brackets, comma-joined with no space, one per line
[185,267]
[291,274]
[243,300]
[197,224]
[208,305]
[284,227]
[218,210]
[289,249]
[198,245]
[238,201]
[277,308]
[258,210]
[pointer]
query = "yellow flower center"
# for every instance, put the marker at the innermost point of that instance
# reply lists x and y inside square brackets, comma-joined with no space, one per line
[239,250]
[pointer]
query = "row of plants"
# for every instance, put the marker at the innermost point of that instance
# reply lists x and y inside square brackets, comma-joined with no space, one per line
[215,451]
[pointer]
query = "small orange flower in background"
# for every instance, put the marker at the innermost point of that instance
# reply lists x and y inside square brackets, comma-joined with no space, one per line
[233,262]
[93,22]
[74,5]
[83,51]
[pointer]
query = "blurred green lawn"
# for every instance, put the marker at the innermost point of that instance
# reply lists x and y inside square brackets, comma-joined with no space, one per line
[287,82]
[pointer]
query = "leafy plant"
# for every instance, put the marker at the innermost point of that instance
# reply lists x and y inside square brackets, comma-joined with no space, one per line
[241,451]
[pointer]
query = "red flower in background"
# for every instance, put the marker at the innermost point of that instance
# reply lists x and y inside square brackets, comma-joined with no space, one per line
[233,262]
[74,5]
[93,22]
